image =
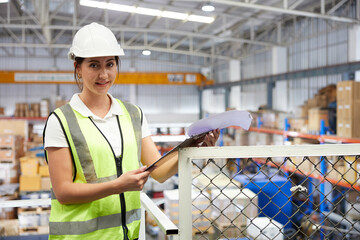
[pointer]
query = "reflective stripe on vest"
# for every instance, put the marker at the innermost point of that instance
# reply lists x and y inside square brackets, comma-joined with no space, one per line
[83,227]
[136,118]
[83,160]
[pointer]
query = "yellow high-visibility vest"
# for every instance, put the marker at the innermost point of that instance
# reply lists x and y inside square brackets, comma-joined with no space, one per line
[94,161]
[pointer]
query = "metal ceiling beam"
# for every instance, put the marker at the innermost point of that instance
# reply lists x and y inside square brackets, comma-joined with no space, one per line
[283,11]
[307,73]
[127,29]
[295,4]
[158,49]
[336,7]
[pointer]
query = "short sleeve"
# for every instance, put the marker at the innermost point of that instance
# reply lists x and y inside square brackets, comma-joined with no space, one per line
[145,128]
[54,135]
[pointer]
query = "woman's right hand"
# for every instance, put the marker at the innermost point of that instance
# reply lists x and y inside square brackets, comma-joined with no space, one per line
[132,180]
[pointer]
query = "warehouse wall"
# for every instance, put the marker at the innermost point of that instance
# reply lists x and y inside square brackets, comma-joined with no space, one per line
[314,43]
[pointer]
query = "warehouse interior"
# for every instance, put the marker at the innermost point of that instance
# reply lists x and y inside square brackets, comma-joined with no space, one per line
[294,65]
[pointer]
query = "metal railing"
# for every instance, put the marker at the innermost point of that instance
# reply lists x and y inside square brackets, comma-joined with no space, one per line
[269,192]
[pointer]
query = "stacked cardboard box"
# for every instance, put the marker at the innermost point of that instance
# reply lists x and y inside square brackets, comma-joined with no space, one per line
[315,116]
[27,110]
[34,176]
[30,180]
[14,127]
[299,124]
[348,109]
[11,148]
[322,99]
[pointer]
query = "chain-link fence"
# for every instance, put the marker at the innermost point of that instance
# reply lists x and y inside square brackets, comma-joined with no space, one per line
[268,192]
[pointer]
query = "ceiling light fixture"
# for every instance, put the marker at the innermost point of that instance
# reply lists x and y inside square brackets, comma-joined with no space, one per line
[4,1]
[146,52]
[147,11]
[207,7]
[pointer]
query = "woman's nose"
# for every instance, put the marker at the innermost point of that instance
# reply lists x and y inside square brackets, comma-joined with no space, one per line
[103,73]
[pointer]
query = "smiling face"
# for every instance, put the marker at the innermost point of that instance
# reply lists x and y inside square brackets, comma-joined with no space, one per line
[98,74]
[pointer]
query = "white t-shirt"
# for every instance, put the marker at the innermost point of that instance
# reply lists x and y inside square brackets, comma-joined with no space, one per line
[54,135]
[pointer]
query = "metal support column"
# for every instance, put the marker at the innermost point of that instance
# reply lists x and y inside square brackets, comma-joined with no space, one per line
[227,98]
[200,103]
[270,86]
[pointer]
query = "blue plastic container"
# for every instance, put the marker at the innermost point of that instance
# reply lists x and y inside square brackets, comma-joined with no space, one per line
[274,196]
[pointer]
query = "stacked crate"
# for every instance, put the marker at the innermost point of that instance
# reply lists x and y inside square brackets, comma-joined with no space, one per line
[348,109]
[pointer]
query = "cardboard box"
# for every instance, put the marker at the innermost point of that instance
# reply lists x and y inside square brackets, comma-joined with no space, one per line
[303,165]
[349,110]
[29,166]
[336,170]
[299,124]
[348,128]
[352,169]
[304,111]
[44,171]
[30,183]
[14,127]
[10,155]
[11,141]
[347,91]
[315,117]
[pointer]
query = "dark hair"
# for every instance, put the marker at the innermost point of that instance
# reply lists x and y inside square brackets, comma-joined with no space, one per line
[79,61]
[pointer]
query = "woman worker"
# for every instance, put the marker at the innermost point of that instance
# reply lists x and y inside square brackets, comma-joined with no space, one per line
[94,146]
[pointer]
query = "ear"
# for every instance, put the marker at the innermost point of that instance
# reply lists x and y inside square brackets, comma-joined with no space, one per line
[77,68]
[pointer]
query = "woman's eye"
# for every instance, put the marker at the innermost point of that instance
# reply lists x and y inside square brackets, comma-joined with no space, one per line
[110,64]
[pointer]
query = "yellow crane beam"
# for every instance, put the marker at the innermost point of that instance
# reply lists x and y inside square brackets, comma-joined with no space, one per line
[64,77]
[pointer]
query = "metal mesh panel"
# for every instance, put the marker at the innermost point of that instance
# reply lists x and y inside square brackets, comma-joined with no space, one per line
[287,197]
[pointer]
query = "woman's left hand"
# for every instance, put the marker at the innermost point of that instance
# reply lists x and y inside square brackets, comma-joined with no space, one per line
[210,139]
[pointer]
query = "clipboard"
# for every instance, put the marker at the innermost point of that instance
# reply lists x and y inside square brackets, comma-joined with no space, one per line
[186,143]
[203,126]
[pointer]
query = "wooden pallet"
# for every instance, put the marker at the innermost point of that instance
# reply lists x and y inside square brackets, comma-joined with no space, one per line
[34,210]
[34,230]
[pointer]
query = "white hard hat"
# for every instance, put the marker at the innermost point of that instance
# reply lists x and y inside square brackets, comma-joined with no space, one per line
[94,40]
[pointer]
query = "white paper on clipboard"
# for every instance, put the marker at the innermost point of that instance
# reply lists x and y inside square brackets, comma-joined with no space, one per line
[221,120]
[199,128]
